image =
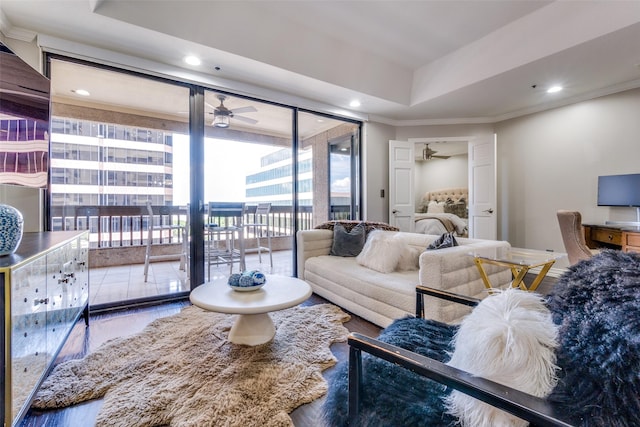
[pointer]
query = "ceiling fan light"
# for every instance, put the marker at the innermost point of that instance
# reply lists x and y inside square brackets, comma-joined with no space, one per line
[221,121]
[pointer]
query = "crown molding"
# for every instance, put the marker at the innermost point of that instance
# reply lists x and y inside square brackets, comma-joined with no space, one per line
[609,90]
[13,32]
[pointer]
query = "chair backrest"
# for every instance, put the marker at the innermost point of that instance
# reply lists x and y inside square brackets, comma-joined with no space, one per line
[573,236]
[233,211]
[263,208]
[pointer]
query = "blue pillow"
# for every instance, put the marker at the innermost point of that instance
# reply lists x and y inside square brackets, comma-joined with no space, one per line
[347,243]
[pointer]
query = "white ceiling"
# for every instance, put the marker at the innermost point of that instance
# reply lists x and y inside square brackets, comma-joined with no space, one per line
[408,62]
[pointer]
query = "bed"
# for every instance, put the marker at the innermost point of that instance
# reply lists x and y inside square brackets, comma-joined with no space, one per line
[443,211]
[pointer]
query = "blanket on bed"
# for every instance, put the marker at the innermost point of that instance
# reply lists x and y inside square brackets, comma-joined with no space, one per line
[446,222]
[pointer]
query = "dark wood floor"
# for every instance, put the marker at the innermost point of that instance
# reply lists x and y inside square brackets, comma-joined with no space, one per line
[106,326]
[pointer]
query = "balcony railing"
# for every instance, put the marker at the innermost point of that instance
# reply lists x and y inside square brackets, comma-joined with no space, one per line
[121,226]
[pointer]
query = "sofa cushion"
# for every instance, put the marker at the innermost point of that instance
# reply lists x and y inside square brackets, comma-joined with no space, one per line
[344,276]
[347,243]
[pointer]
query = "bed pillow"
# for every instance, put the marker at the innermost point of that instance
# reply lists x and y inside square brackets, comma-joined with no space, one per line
[459,209]
[381,252]
[347,243]
[435,207]
[509,338]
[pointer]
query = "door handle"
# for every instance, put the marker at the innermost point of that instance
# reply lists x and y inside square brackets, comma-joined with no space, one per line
[488,210]
[395,211]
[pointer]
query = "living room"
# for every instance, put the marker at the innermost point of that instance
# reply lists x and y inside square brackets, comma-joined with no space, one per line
[549,151]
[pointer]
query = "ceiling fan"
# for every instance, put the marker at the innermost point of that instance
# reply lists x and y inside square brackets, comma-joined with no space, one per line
[222,115]
[428,154]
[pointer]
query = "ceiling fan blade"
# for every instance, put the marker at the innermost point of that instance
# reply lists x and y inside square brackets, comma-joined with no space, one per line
[245,119]
[209,105]
[440,157]
[248,109]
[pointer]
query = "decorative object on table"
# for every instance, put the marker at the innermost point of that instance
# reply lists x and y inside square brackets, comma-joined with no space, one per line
[248,281]
[259,385]
[11,227]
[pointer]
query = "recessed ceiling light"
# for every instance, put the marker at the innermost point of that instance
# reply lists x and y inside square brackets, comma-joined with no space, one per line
[554,89]
[192,60]
[320,121]
[354,103]
[81,92]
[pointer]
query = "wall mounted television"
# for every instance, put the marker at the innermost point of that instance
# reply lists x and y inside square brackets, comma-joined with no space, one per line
[620,190]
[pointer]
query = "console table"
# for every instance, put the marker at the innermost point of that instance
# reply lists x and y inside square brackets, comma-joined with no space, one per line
[45,289]
[624,237]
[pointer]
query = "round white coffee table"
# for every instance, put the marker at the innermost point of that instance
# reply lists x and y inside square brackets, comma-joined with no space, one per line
[253,325]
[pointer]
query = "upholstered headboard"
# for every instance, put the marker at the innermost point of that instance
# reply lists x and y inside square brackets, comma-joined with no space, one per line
[455,194]
[448,200]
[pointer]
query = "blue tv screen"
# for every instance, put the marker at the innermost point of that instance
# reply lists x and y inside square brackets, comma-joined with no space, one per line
[619,190]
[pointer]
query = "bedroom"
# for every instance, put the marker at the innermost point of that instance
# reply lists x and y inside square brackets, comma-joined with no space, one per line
[441,186]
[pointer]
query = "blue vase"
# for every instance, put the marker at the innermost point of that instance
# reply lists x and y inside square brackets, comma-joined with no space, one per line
[11,225]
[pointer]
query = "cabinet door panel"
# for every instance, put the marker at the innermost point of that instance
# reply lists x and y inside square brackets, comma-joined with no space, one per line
[29,354]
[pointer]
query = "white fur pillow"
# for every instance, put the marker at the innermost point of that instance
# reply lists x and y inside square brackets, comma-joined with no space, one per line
[508,338]
[381,252]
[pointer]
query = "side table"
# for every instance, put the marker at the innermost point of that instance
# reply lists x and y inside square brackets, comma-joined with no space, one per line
[520,261]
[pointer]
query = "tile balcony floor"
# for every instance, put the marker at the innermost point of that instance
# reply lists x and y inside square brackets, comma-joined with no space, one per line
[125,282]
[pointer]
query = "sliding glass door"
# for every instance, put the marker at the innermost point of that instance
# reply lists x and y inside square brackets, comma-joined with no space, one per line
[247,161]
[154,168]
[119,164]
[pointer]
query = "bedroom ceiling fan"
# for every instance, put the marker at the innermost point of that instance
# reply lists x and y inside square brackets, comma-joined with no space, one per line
[222,115]
[428,154]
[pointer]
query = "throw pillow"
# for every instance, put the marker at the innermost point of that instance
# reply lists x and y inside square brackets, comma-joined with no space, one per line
[435,207]
[509,338]
[446,240]
[381,252]
[347,243]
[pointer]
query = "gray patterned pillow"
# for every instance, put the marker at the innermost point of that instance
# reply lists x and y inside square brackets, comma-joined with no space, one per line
[347,243]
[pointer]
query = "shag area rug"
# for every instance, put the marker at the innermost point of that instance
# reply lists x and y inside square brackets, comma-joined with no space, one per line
[182,371]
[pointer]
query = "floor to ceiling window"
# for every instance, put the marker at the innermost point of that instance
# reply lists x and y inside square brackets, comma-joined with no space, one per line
[124,157]
[332,146]
[114,149]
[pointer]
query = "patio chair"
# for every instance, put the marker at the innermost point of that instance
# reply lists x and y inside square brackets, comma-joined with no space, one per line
[260,229]
[164,229]
[225,231]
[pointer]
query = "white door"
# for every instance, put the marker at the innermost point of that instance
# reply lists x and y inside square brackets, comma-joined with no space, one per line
[483,222]
[401,184]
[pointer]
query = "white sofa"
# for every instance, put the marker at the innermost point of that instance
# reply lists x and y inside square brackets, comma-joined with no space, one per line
[382,297]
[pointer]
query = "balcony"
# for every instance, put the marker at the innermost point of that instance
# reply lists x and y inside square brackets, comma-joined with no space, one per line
[118,234]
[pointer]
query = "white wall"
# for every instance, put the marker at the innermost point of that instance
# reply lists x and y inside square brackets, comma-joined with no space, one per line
[375,158]
[29,201]
[438,174]
[28,52]
[551,160]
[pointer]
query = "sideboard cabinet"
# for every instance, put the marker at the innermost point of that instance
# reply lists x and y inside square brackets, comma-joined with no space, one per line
[45,290]
[624,237]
